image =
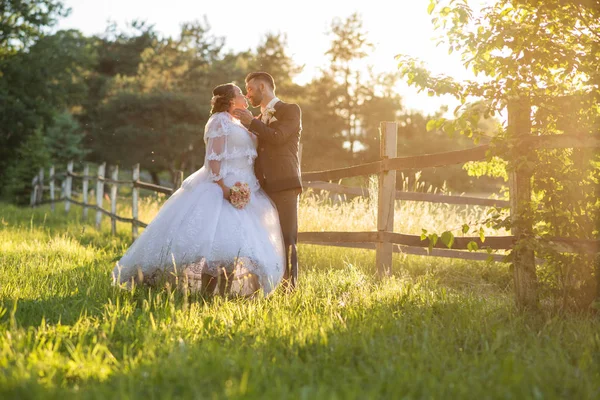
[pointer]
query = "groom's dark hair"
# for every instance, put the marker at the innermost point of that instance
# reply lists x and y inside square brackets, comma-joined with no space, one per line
[261,76]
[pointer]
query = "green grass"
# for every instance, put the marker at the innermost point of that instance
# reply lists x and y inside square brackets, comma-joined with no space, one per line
[437,329]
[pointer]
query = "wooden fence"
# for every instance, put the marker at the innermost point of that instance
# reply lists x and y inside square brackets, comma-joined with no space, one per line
[384,241]
[101,180]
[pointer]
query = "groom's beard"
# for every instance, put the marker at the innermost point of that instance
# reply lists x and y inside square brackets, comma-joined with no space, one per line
[256,100]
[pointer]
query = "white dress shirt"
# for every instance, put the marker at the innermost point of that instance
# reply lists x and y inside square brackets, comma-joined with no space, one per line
[270,107]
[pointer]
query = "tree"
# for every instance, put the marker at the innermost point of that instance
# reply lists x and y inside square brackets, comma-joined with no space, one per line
[175,64]
[154,129]
[30,156]
[547,53]
[271,56]
[379,103]
[23,22]
[157,114]
[36,84]
[322,126]
[414,137]
[118,55]
[65,140]
[366,98]
[348,47]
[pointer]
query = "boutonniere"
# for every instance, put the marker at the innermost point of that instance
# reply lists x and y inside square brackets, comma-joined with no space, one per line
[270,113]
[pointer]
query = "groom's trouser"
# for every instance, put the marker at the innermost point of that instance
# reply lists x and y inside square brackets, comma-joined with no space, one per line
[287,206]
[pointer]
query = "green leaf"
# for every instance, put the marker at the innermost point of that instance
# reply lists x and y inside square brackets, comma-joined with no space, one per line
[431,125]
[465,228]
[472,246]
[448,239]
[430,7]
[481,235]
[434,238]
[423,234]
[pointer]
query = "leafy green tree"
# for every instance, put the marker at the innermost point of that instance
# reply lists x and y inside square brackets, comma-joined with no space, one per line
[30,156]
[349,45]
[175,64]
[65,140]
[23,22]
[323,127]
[36,84]
[120,51]
[365,98]
[546,52]
[379,103]
[154,129]
[117,54]
[160,110]
[271,56]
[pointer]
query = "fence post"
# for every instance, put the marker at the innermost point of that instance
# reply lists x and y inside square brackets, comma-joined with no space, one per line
[386,197]
[40,192]
[113,200]
[63,184]
[51,179]
[100,194]
[86,173]
[519,126]
[135,197]
[178,180]
[34,190]
[69,186]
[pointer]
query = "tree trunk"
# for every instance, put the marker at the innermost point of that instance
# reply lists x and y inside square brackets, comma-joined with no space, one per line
[525,278]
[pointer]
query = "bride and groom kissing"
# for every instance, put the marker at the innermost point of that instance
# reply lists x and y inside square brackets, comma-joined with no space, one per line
[203,237]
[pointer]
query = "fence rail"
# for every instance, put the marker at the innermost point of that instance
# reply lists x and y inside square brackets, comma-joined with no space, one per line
[419,251]
[101,180]
[460,243]
[408,196]
[566,245]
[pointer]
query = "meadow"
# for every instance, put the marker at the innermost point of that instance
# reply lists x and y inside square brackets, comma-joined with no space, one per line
[438,328]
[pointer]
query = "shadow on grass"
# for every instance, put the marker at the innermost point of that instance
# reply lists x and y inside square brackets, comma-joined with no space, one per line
[399,347]
[85,297]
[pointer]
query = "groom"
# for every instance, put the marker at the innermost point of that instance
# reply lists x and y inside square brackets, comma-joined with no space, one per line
[277,167]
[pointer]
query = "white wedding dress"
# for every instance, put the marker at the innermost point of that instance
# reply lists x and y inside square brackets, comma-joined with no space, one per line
[197,231]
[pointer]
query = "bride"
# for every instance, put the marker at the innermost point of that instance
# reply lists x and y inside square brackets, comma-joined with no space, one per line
[198,235]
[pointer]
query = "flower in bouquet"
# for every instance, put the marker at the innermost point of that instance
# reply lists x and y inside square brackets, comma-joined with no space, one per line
[240,195]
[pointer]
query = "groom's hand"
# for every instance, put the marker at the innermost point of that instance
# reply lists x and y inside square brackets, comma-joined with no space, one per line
[243,115]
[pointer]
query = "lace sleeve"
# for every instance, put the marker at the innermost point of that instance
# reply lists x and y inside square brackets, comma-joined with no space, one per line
[215,137]
[215,152]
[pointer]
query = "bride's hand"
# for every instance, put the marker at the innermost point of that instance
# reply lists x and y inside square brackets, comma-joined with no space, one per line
[224,188]
[226,192]
[243,115]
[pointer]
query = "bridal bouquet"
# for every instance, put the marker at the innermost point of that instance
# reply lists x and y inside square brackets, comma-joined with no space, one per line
[240,195]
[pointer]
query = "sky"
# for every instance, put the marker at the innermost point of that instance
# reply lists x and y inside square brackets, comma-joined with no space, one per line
[394,27]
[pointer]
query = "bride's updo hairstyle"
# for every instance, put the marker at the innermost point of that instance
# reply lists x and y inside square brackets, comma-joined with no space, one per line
[223,96]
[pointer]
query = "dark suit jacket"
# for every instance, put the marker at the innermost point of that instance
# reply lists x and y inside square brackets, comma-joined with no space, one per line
[277,167]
